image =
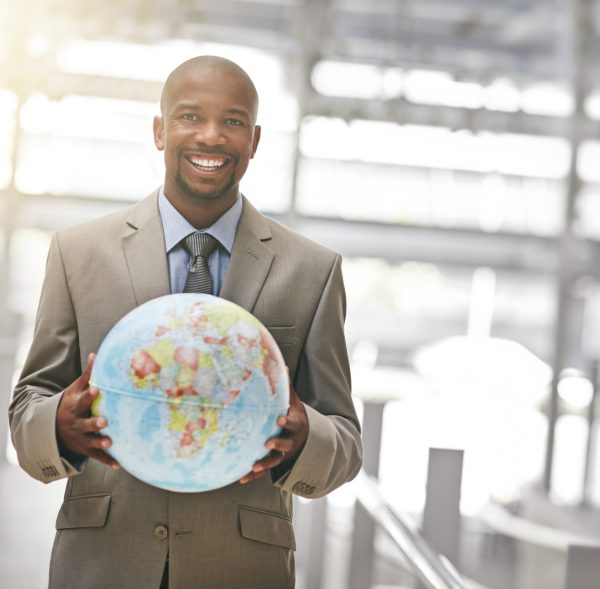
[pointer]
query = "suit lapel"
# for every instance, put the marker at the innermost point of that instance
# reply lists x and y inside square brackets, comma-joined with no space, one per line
[145,251]
[250,259]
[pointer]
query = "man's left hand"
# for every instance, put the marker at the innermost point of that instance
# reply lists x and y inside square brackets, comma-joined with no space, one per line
[288,445]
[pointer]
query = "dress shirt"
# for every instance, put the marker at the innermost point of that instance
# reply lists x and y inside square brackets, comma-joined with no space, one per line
[176,228]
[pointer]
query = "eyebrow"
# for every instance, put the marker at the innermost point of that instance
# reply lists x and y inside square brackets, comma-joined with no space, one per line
[197,107]
[238,111]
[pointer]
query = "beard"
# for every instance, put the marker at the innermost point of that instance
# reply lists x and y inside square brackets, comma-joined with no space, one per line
[207,194]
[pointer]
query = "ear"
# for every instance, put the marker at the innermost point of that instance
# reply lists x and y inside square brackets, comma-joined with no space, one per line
[159,128]
[255,140]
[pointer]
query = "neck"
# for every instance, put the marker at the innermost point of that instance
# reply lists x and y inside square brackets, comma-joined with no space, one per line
[202,213]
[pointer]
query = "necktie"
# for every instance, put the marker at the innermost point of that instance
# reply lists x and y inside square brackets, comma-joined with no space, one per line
[199,246]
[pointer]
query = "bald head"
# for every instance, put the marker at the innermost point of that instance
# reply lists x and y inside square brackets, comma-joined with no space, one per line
[206,67]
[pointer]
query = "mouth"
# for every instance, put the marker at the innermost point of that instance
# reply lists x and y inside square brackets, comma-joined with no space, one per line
[207,163]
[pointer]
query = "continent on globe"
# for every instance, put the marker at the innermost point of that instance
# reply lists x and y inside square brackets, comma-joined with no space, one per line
[191,386]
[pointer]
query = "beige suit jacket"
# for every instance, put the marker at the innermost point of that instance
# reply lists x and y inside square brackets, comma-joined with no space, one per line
[112,529]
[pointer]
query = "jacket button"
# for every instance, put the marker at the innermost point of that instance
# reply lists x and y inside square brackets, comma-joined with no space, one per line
[161,532]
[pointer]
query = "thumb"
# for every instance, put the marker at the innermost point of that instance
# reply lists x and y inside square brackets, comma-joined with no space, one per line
[85,377]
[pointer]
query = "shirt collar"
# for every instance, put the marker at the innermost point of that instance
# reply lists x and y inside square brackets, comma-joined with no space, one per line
[176,227]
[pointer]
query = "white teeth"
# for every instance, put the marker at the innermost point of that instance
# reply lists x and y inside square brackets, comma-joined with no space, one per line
[205,163]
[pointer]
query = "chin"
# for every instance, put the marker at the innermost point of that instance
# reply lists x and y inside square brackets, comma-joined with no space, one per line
[197,193]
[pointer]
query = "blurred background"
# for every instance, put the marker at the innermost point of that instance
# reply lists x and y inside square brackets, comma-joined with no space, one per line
[450,151]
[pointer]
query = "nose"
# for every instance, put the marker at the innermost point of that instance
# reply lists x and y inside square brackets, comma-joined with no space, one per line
[210,133]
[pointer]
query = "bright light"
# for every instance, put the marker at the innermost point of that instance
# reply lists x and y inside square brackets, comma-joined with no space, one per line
[481,309]
[393,83]
[527,155]
[333,78]
[431,87]
[488,390]
[493,199]
[569,462]
[88,117]
[502,95]
[587,163]
[547,99]
[425,87]
[484,368]
[326,138]
[37,46]
[118,59]
[592,104]
[435,147]
[576,391]
[365,354]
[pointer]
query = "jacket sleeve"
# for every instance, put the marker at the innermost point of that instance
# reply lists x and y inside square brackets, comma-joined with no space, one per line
[52,364]
[332,454]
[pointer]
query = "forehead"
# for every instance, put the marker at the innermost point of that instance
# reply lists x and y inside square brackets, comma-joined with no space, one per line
[209,88]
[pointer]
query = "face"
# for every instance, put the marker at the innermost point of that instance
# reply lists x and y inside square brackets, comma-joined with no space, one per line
[207,133]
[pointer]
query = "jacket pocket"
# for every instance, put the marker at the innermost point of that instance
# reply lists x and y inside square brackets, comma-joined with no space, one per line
[89,511]
[284,336]
[267,527]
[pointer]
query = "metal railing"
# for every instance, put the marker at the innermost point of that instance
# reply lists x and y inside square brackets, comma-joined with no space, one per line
[432,569]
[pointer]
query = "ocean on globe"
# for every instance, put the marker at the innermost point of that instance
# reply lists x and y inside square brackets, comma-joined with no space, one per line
[191,386]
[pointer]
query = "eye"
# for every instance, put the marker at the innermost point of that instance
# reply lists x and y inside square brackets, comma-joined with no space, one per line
[233,122]
[189,116]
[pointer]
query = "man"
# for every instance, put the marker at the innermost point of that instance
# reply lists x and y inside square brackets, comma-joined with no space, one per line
[112,529]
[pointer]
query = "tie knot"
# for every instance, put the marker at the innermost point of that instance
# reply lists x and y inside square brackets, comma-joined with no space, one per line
[200,244]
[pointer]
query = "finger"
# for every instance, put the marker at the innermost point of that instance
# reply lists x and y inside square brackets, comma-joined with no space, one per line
[252,476]
[289,423]
[93,424]
[273,459]
[94,441]
[282,445]
[104,458]
[85,377]
[85,400]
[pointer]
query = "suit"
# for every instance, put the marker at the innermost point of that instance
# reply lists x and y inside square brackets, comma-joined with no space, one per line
[114,530]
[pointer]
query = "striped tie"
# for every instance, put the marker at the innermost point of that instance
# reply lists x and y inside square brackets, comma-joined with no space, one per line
[199,246]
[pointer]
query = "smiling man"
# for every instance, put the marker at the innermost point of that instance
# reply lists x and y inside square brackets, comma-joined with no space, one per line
[112,529]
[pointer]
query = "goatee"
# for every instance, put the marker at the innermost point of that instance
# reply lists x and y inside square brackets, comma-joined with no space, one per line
[197,194]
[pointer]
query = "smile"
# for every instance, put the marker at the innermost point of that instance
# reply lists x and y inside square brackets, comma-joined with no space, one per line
[207,164]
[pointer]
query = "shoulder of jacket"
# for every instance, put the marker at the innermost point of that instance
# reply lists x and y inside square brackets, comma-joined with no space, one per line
[96,229]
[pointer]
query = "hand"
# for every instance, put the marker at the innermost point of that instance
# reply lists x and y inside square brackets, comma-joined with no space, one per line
[289,444]
[76,429]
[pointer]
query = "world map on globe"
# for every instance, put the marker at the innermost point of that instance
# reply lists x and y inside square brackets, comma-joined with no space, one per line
[191,386]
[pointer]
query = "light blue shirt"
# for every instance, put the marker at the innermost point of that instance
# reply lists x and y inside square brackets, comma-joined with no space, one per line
[176,228]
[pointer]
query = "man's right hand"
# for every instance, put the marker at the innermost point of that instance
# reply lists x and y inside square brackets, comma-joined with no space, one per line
[77,430]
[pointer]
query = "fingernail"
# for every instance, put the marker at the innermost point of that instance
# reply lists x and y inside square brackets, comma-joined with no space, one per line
[257,468]
[101,423]
[116,467]
[281,421]
[106,444]
[243,481]
[271,445]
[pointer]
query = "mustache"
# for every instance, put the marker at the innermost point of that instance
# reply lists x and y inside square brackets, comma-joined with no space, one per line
[208,151]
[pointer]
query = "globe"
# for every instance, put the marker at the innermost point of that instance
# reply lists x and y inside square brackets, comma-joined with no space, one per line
[191,386]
